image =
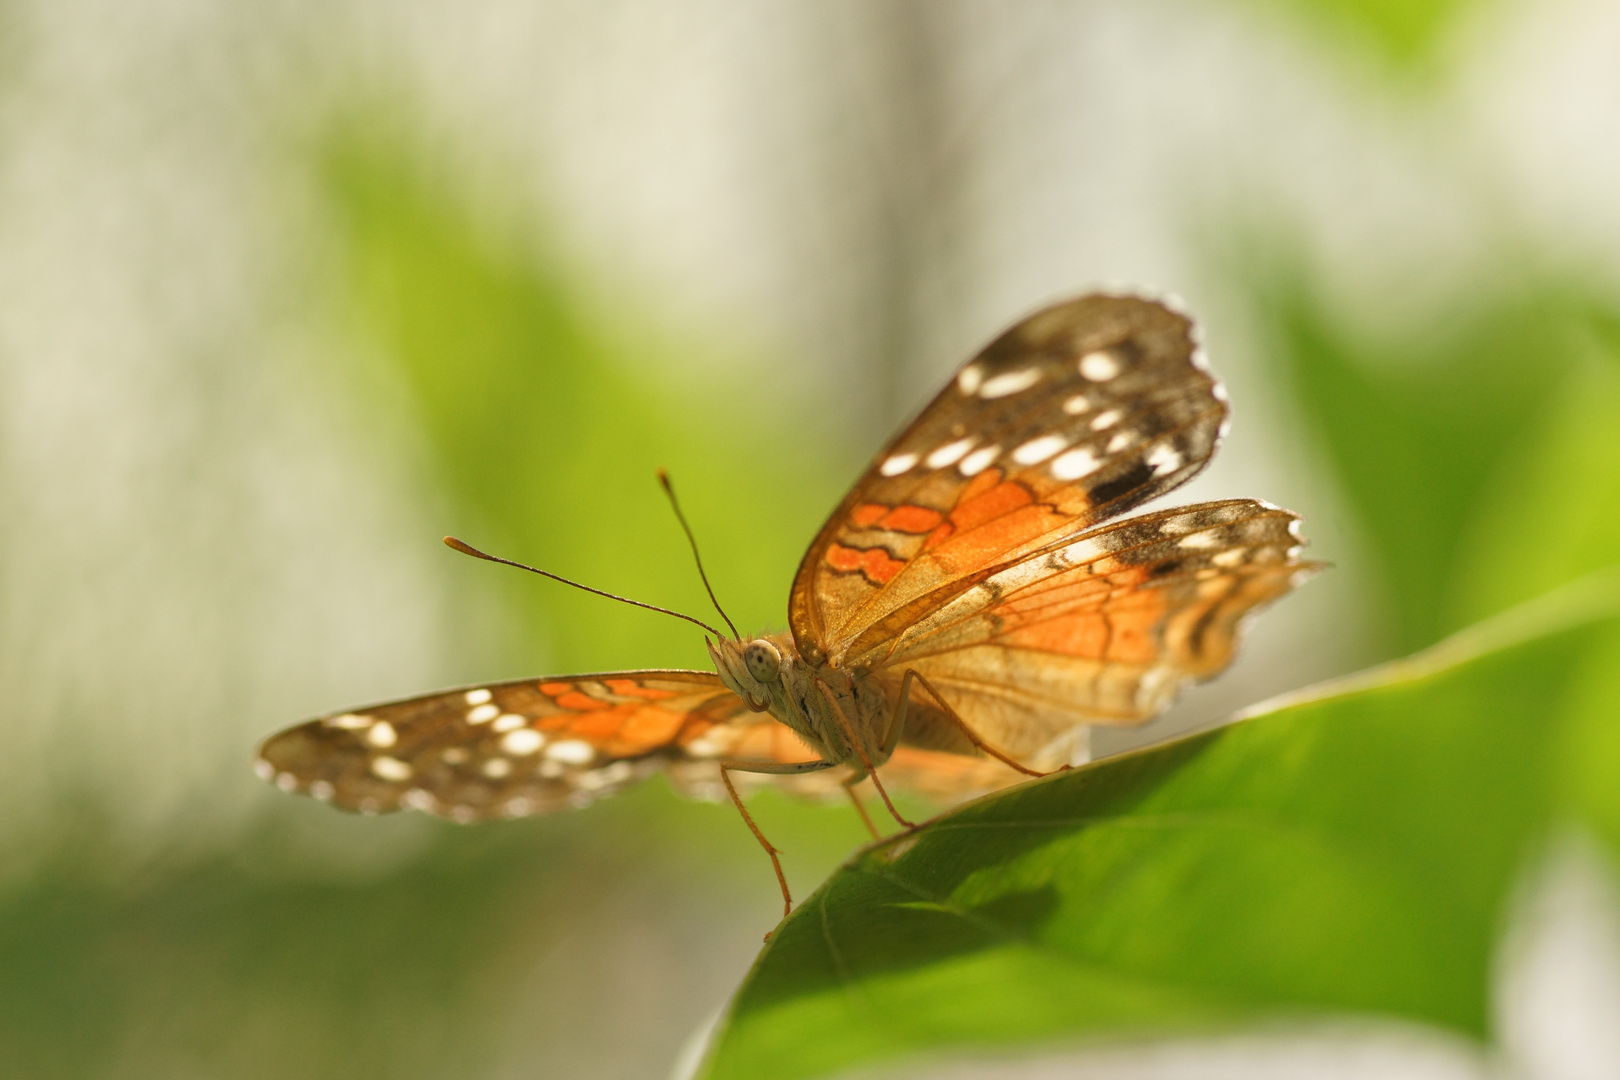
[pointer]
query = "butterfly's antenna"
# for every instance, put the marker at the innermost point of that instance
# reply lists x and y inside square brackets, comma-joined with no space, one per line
[468,549]
[669,489]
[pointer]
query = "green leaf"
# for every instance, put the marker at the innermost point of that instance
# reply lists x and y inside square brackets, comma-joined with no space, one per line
[1348,852]
[1420,430]
[1551,513]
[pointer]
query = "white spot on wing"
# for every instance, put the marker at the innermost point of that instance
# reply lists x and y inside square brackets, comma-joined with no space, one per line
[969,378]
[595,780]
[418,799]
[1075,464]
[571,752]
[1228,559]
[1099,366]
[478,697]
[1118,442]
[518,807]
[1150,687]
[1010,382]
[389,768]
[607,775]
[1164,459]
[509,722]
[496,768]
[482,714]
[322,790]
[1038,450]
[455,755]
[1077,405]
[348,721]
[287,782]
[264,769]
[1104,420]
[1199,540]
[523,741]
[382,735]
[898,464]
[976,462]
[950,453]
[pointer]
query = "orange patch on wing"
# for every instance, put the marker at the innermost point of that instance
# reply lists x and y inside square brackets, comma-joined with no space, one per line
[631,688]
[1084,635]
[939,535]
[867,514]
[988,543]
[581,702]
[1124,578]
[1134,639]
[555,688]
[912,519]
[998,501]
[694,729]
[875,563]
[1060,595]
[601,725]
[647,728]
[980,484]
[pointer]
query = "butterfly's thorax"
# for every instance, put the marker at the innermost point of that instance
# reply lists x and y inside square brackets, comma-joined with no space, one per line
[798,695]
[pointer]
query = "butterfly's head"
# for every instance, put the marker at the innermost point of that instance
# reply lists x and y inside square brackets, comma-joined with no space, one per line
[753,669]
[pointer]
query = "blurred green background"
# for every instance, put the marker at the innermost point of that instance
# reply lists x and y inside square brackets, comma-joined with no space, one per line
[291,290]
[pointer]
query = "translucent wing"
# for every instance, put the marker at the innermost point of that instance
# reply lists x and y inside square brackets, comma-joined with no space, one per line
[1103,628]
[526,747]
[1071,417]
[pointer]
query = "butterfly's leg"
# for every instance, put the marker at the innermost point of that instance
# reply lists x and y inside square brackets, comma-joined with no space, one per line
[777,768]
[972,735]
[860,749]
[897,723]
[860,807]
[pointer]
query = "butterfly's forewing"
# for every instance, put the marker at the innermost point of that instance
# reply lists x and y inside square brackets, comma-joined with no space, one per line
[1104,628]
[1076,414]
[525,747]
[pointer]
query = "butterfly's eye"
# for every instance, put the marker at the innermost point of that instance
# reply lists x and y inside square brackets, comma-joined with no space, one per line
[763,660]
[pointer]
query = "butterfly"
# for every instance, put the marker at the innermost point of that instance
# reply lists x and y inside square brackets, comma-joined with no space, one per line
[973,605]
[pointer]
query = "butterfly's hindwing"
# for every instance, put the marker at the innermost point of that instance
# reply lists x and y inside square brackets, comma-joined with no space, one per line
[1103,628]
[1071,417]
